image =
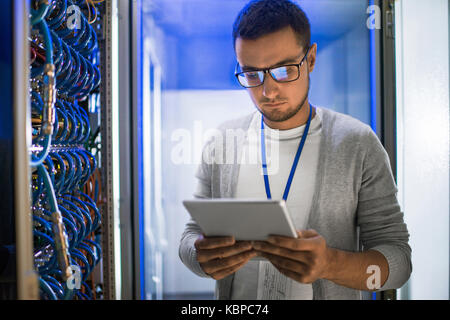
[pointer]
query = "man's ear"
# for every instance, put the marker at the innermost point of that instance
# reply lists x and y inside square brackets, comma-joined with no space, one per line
[312,57]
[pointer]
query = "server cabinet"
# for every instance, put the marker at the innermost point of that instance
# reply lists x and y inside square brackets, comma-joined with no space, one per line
[62,113]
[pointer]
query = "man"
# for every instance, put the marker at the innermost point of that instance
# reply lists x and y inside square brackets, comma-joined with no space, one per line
[342,193]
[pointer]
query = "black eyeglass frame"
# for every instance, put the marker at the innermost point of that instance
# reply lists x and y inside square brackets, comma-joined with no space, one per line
[298,65]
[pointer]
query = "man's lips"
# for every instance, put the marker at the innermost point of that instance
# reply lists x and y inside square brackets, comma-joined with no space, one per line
[273,105]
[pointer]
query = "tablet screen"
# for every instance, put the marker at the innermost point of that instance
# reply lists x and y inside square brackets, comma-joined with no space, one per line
[245,219]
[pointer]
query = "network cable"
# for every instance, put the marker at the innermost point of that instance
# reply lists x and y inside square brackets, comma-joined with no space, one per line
[66,187]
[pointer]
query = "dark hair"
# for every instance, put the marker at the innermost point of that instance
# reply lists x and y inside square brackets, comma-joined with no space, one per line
[261,17]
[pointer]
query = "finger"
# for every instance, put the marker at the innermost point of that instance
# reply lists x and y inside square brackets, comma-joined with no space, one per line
[293,275]
[204,255]
[213,266]
[225,272]
[266,247]
[213,242]
[310,233]
[285,263]
[293,243]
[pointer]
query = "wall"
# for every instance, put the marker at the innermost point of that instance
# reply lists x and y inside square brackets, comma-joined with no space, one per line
[422,44]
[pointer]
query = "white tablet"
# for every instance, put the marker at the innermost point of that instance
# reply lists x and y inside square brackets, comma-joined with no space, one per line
[245,219]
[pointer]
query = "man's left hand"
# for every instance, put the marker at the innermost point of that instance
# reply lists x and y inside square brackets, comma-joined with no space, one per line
[304,259]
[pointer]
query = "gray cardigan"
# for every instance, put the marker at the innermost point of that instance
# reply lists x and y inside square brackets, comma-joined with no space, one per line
[354,207]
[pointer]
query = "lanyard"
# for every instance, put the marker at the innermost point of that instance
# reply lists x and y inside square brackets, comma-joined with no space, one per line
[296,159]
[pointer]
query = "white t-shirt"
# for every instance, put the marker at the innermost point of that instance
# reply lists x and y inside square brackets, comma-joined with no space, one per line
[260,279]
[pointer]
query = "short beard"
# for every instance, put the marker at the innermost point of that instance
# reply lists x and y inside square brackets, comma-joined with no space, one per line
[277,116]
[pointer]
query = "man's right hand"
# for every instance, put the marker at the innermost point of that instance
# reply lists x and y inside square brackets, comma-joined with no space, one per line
[222,256]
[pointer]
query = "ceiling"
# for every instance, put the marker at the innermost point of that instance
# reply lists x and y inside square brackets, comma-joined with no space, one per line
[194,43]
[204,18]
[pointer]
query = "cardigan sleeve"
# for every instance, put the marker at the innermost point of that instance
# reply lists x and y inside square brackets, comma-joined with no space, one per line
[379,216]
[192,231]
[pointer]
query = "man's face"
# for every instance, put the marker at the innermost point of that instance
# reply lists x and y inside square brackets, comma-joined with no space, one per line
[278,102]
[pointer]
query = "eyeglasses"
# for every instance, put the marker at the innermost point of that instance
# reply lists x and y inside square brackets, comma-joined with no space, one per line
[255,78]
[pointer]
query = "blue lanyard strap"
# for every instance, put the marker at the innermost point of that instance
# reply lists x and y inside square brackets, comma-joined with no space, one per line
[294,165]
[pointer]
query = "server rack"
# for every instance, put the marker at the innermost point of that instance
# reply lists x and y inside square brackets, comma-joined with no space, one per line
[110,153]
[64,106]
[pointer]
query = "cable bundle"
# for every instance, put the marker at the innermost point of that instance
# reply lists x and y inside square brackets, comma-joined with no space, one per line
[65,183]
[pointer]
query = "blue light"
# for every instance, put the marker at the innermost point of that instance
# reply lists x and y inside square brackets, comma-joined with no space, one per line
[6,59]
[373,80]
[141,202]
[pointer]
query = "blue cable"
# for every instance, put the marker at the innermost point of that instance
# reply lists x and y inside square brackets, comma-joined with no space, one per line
[47,289]
[77,41]
[74,211]
[51,264]
[70,171]
[49,187]
[48,44]
[61,133]
[78,170]
[87,289]
[58,52]
[38,15]
[97,77]
[55,124]
[87,167]
[62,172]
[80,126]
[85,119]
[68,165]
[44,223]
[77,254]
[74,72]
[67,215]
[90,203]
[83,80]
[94,160]
[82,296]
[55,22]
[97,248]
[73,232]
[58,289]
[36,96]
[64,74]
[86,88]
[50,169]
[37,160]
[90,253]
[73,127]
[85,212]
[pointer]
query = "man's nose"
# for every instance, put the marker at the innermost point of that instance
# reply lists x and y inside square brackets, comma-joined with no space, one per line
[270,87]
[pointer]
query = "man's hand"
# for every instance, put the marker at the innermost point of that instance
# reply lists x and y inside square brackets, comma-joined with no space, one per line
[304,259]
[222,256]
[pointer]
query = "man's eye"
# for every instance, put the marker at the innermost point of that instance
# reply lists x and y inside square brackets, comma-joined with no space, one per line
[285,70]
[291,70]
[252,75]
[284,73]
